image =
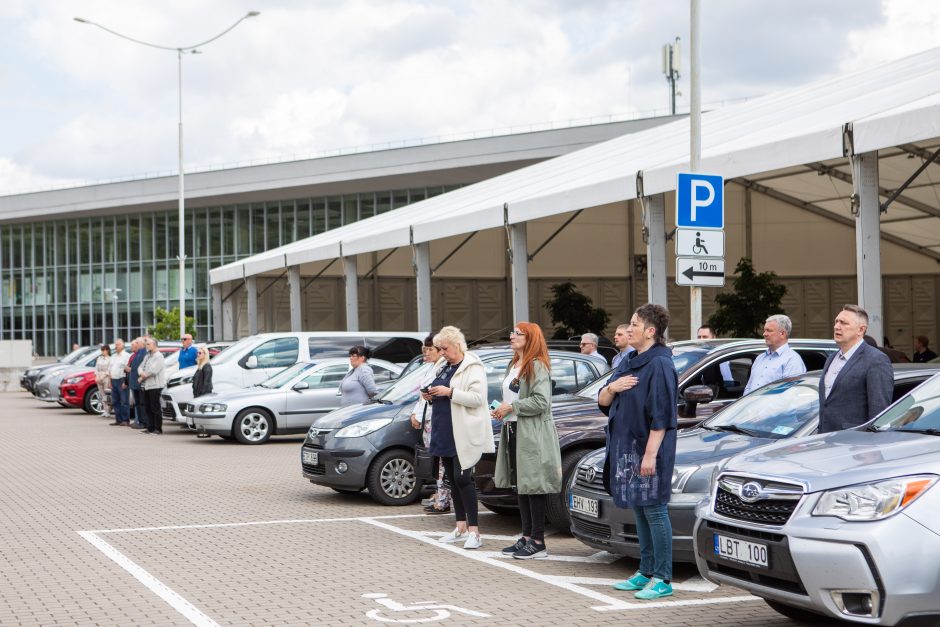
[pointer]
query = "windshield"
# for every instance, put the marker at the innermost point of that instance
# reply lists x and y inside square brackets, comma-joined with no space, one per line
[234,351]
[774,411]
[285,375]
[683,357]
[919,410]
[75,355]
[406,388]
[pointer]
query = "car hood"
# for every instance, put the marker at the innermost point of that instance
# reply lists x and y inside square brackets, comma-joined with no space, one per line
[339,418]
[698,447]
[832,460]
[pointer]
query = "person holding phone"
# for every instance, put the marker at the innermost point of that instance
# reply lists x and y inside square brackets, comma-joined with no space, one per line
[641,399]
[460,428]
[440,500]
[528,456]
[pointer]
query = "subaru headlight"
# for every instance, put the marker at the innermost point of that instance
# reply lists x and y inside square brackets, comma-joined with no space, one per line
[212,408]
[873,501]
[73,380]
[681,476]
[363,428]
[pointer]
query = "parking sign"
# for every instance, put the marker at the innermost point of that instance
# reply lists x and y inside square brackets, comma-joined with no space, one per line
[700,201]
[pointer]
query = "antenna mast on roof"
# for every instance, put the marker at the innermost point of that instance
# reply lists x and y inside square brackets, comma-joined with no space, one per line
[671,61]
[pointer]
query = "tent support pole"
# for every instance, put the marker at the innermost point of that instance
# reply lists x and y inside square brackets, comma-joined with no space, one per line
[216,312]
[519,269]
[252,284]
[422,266]
[351,275]
[867,241]
[296,310]
[654,221]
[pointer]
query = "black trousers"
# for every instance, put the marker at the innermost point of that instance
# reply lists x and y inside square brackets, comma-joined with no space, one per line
[154,411]
[531,506]
[463,493]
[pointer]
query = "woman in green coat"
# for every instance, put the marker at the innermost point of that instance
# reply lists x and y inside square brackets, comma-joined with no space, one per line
[529,457]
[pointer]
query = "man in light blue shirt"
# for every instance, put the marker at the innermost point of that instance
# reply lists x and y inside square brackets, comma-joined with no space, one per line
[620,341]
[779,360]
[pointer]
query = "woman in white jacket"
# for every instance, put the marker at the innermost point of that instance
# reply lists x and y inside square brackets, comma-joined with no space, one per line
[460,428]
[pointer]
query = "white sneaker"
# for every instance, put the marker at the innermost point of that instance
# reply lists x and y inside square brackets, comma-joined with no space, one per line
[474,541]
[455,536]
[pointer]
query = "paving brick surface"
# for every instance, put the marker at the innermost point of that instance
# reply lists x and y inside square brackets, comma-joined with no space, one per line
[236,532]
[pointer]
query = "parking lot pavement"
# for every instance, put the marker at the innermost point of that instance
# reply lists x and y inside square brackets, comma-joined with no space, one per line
[103,525]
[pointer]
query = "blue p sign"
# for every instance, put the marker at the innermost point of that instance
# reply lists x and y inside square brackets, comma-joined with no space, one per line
[700,201]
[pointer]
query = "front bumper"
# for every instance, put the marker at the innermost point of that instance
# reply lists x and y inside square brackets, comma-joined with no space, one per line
[172,411]
[356,453]
[810,558]
[70,395]
[614,529]
[214,424]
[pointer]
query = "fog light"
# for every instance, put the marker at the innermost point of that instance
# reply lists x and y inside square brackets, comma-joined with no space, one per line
[341,467]
[856,602]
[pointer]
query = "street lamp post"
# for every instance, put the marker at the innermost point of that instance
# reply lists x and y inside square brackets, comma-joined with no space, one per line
[180,50]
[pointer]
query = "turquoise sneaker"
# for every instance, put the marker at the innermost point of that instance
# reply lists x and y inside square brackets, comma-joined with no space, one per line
[655,589]
[636,582]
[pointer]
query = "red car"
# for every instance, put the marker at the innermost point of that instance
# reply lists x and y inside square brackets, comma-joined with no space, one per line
[81,389]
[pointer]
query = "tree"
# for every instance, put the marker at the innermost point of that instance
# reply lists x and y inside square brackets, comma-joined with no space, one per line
[742,313]
[572,312]
[167,325]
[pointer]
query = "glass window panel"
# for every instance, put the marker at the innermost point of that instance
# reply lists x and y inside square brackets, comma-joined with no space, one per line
[173,236]
[303,218]
[244,230]
[334,212]
[72,238]
[257,228]
[415,195]
[173,284]
[16,241]
[159,234]
[229,232]
[383,202]
[350,209]
[366,206]
[287,222]
[97,240]
[399,198]
[215,233]
[272,219]
[121,240]
[134,284]
[161,284]
[435,191]
[61,237]
[36,256]
[318,216]
[85,293]
[202,278]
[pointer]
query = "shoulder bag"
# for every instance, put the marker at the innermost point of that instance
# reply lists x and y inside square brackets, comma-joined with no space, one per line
[424,461]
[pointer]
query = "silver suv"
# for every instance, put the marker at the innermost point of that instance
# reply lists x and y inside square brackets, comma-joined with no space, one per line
[840,526]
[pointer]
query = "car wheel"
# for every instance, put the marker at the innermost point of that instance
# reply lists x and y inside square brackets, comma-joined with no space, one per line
[93,404]
[502,510]
[253,426]
[798,613]
[556,510]
[391,479]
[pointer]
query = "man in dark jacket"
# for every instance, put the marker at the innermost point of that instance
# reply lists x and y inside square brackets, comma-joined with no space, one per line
[857,380]
[133,382]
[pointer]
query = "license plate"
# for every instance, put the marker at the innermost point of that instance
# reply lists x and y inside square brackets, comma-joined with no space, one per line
[741,551]
[582,505]
[311,457]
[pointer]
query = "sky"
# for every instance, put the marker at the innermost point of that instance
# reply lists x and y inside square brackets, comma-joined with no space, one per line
[307,77]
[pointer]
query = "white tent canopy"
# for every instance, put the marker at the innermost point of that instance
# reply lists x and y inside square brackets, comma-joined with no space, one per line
[894,104]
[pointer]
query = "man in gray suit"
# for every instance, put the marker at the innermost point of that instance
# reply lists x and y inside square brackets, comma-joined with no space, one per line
[857,381]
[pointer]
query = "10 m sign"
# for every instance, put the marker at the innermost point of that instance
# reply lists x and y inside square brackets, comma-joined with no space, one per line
[700,272]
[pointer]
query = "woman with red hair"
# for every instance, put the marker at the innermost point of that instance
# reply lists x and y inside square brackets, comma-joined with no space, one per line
[528,457]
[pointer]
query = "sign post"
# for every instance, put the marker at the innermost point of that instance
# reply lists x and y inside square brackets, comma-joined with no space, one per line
[700,236]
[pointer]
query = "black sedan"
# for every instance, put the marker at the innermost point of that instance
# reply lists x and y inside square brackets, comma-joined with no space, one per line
[788,408]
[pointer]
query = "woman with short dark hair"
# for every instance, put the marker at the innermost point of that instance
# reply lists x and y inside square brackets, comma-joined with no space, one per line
[358,386]
[641,399]
[103,378]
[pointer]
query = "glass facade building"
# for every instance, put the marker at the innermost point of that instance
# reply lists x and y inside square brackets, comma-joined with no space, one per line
[59,276]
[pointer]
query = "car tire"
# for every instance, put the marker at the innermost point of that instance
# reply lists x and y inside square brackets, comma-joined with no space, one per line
[253,426]
[92,403]
[391,479]
[556,510]
[502,510]
[798,613]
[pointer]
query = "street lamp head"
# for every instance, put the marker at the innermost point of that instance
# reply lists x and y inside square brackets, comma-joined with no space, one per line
[253,14]
[81,20]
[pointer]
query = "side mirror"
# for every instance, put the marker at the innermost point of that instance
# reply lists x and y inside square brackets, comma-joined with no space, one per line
[300,386]
[252,362]
[695,394]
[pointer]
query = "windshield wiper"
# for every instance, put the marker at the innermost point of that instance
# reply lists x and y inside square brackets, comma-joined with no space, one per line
[928,431]
[381,401]
[737,429]
[873,428]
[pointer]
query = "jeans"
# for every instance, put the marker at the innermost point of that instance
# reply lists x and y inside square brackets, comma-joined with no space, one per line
[463,493]
[120,400]
[140,407]
[654,531]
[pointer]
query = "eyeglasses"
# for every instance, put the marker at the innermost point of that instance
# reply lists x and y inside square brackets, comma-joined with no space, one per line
[516,333]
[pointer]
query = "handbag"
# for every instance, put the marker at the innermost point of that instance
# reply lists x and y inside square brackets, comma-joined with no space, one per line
[424,461]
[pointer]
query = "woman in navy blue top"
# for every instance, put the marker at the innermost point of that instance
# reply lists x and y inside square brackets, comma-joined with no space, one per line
[641,399]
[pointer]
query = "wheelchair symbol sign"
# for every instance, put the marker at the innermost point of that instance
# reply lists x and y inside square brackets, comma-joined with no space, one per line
[419,612]
[700,243]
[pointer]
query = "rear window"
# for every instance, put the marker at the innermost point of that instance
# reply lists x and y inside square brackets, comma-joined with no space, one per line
[398,350]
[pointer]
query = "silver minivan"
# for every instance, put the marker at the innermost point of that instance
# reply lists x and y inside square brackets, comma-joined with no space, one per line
[255,358]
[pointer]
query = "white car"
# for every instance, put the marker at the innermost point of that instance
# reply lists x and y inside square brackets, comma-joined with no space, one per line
[288,402]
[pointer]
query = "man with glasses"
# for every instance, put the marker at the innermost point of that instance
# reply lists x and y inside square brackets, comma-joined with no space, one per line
[589,348]
[188,352]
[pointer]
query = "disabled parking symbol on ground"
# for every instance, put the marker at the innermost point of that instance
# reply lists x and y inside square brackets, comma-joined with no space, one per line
[440,611]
